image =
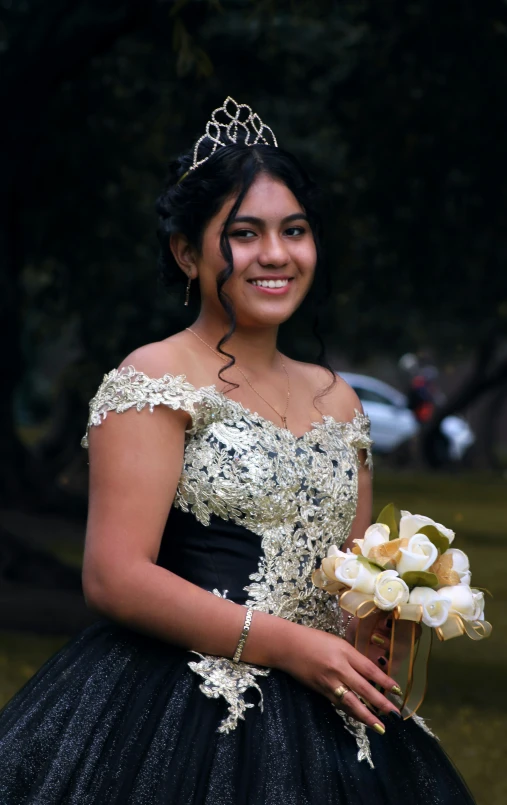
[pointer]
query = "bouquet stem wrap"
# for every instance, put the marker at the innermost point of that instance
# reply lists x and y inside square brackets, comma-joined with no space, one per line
[409,649]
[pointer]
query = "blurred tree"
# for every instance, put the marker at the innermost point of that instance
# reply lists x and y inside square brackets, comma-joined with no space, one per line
[397,109]
[44,49]
[43,53]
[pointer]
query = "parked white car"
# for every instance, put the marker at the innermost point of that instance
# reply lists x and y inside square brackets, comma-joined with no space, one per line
[393,423]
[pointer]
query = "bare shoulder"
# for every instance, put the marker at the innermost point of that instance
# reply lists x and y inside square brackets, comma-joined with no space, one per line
[343,394]
[169,356]
[333,396]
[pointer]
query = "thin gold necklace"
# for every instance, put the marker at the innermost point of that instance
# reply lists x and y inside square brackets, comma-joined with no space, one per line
[283,416]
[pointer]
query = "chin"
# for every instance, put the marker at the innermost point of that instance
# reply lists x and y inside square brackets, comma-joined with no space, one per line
[271,319]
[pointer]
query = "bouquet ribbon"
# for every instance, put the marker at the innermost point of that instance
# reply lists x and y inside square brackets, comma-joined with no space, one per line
[411,642]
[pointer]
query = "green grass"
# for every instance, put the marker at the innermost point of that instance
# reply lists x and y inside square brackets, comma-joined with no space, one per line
[466,704]
[467,700]
[21,655]
[68,551]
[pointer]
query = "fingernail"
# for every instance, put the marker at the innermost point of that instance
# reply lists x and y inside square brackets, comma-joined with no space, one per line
[383,661]
[394,714]
[396,689]
[378,640]
[379,728]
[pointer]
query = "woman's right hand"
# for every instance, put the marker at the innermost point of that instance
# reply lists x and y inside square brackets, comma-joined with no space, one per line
[325,662]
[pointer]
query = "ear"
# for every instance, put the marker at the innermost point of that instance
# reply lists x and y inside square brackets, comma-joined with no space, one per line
[184,254]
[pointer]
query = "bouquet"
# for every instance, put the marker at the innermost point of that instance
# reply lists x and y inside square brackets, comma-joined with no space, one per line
[404,564]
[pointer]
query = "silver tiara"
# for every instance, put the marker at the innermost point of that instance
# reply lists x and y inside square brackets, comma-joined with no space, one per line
[224,126]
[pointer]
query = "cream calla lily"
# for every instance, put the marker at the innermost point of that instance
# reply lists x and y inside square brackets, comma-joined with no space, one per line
[479,605]
[435,607]
[357,575]
[410,524]
[460,564]
[333,551]
[376,534]
[462,601]
[390,590]
[419,554]
[324,576]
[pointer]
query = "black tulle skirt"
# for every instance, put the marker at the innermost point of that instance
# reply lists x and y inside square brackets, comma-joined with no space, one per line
[117,718]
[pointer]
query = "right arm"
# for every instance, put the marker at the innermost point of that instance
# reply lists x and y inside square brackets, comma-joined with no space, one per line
[135,465]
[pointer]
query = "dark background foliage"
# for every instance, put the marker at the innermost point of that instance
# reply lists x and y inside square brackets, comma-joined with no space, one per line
[397,109]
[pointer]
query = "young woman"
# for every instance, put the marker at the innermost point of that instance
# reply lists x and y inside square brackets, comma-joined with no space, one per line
[217,673]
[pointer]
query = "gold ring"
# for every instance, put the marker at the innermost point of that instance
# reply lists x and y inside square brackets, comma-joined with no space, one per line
[340,692]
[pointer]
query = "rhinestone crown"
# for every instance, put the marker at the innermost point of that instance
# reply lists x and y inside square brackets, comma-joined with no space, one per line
[224,126]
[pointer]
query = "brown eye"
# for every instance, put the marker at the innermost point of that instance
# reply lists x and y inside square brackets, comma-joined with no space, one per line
[242,233]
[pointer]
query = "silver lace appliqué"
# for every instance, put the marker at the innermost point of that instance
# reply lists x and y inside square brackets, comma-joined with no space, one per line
[299,494]
[223,677]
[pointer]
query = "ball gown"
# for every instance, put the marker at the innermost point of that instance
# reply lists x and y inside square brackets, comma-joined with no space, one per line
[120,718]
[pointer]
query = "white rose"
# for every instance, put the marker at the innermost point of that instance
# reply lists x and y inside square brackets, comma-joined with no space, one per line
[411,524]
[435,607]
[390,590]
[461,600]
[357,575]
[460,564]
[419,554]
[376,534]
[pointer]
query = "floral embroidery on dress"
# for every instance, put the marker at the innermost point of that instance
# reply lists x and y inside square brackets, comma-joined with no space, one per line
[299,494]
[125,388]
[223,677]
[358,730]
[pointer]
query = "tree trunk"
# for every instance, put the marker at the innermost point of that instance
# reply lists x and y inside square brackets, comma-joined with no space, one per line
[13,456]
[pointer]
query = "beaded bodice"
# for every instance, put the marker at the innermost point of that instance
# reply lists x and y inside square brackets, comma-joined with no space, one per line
[297,494]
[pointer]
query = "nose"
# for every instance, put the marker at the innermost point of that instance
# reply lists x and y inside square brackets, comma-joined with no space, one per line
[273,252]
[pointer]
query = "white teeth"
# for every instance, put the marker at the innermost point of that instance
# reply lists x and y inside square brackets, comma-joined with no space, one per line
[270,283]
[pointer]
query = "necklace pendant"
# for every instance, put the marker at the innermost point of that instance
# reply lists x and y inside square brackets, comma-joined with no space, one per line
[284,420]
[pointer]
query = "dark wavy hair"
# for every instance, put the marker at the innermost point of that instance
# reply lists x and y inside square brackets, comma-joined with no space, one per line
[191,198]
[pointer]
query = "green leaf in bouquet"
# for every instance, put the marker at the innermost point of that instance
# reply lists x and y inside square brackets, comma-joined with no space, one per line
[436,537]
[365,561]
[420,578]
[390,516]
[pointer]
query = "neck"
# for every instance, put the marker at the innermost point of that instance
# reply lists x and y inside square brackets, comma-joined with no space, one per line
[253,348]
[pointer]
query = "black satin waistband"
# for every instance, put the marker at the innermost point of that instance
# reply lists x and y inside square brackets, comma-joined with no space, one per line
[219,556]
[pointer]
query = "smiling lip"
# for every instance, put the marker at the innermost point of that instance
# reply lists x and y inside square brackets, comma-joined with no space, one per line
[276,291]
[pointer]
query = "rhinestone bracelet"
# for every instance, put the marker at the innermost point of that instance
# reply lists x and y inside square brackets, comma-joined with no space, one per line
[243,636]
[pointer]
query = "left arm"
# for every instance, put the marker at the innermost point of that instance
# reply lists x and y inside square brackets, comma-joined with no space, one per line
[344,404]
[362,520]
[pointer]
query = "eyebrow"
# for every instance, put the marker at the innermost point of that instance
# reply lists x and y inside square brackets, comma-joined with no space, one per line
[251,219]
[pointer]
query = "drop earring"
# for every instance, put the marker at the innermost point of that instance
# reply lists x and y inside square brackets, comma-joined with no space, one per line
[187,292]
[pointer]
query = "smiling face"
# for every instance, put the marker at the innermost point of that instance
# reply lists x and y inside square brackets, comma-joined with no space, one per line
[274,256]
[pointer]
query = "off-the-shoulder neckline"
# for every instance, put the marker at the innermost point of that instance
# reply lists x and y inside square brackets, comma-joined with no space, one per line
[327,419]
